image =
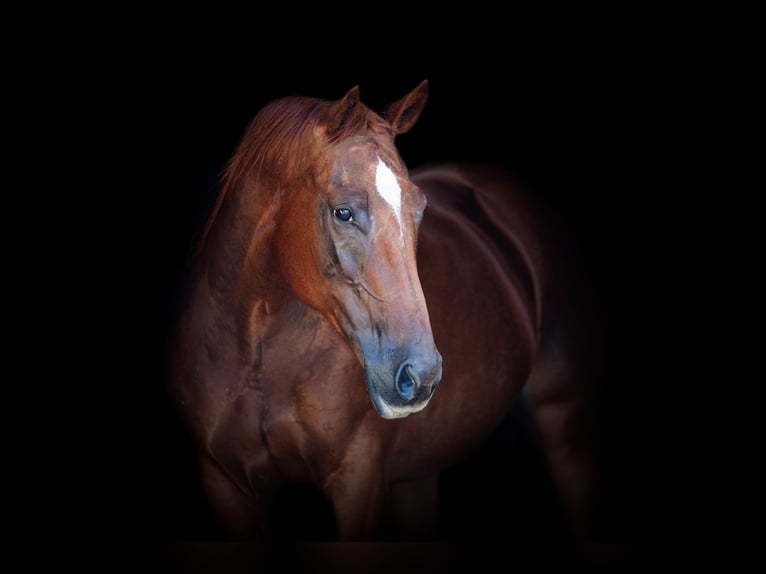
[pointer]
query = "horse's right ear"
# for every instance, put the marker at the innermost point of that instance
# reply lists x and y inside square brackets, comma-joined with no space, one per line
[404,112]
[340,113]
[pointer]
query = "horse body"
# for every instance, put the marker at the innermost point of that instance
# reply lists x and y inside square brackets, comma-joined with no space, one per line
[288,315]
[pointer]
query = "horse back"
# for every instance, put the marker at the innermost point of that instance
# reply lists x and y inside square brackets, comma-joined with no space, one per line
[500,246]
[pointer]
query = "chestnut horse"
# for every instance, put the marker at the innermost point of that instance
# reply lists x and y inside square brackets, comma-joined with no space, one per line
[351,324]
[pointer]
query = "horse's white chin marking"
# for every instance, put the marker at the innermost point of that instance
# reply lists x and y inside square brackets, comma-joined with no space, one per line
[388,411]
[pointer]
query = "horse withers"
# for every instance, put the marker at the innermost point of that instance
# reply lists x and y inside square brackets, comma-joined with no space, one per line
[352,325]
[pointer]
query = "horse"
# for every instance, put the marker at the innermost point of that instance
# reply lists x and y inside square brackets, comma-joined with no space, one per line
[353,325]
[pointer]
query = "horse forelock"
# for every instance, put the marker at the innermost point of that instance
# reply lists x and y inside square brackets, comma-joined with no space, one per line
[281,143]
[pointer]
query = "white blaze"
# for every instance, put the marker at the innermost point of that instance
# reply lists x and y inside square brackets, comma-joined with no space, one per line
[388,188]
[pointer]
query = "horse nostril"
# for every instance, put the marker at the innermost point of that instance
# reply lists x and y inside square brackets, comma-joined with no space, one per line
[406,383]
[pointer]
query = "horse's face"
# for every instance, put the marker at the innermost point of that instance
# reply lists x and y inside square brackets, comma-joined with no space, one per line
[371,217]
[358,230]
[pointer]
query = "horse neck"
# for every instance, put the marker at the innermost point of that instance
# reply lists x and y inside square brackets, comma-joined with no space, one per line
[236,260]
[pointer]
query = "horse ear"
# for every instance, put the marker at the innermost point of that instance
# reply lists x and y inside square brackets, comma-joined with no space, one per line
[340,112]
[403,113]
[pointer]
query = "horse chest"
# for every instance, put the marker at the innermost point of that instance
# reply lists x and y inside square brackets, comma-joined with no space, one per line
[294,424]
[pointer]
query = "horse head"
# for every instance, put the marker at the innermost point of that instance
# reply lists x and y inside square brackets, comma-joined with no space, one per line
[346,243]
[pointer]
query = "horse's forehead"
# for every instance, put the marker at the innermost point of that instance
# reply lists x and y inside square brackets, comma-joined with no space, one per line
[360,158]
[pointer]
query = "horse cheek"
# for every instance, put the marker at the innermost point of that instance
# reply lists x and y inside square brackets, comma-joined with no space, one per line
[297,253]
[350,258]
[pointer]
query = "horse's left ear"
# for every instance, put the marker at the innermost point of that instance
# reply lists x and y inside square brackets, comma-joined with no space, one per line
[340,113]
[403,113]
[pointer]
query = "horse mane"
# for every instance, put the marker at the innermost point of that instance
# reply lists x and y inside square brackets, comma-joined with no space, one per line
[280,139]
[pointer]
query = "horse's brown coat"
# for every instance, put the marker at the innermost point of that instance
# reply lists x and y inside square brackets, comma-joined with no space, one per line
[289,312]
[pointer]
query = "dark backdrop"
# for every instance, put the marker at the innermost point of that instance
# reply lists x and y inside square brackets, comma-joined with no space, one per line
[570,115]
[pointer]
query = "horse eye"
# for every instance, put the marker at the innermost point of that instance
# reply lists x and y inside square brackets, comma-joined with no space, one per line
[343,213]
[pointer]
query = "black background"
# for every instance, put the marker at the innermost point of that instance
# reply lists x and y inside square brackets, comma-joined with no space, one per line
[574,112]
